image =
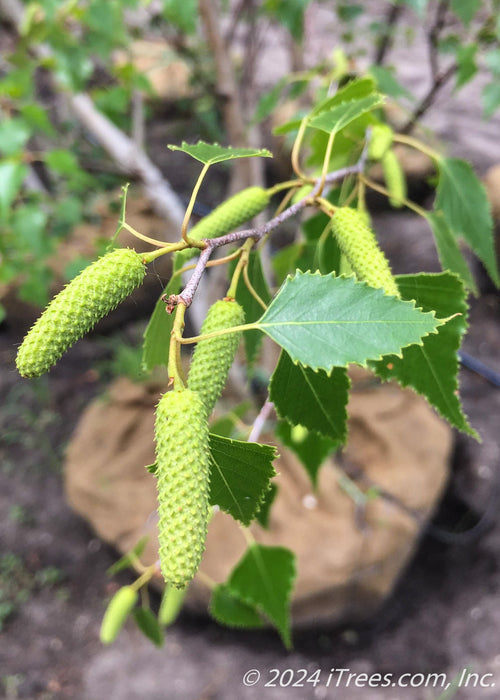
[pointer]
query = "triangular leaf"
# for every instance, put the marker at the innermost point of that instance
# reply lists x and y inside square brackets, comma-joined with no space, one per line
[251,307]
[323,321]
[315,400]
[462,198]
[148,624]
[346,112]
[213,153]
[228,609]
[264,579]
[432,368]
[240,476]
[312,449]
[354,90]
[449,253]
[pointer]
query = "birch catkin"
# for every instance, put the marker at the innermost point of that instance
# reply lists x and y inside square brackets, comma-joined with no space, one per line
[213,357]
[96,291]
[183,474]
[359,244]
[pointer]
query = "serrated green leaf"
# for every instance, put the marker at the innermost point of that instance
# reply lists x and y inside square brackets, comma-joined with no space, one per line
[465,9]
[240,476]
[213,153]
[462,199]
[251,307]
[157,334]
[148,624]
[343,114]
[264,579]
[128,559]
[286,260]
[324,321]
[449,253]
[432,369]
[354,90]
[312,449]
[315,400]
[228,609]
[264,511]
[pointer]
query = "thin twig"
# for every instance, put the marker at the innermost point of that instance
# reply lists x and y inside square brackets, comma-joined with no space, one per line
[259,422]
[186,296]
[387,38]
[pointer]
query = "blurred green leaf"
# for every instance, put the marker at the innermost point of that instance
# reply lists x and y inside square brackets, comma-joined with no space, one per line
[228,609]
[29,223]
[290,13]
[14,134]
[465,9]
[491,98]
[467,67]
[183,14]
[312,449]
[12,175]
[388,83]
[462,199]
[448,249]
[148,624]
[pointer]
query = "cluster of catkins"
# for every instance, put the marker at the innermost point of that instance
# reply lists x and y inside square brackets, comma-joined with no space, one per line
[181,428]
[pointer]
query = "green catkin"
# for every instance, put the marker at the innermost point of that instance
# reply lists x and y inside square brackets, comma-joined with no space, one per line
[395,179]
[380,141]
[226,218]
[212,358]
[183,473]
[90,296]
[359,244]
[119,608]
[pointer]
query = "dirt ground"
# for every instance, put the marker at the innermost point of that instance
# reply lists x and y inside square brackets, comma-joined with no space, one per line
[443,618]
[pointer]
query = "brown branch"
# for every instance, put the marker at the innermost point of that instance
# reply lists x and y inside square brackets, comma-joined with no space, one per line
[246,172]
[387,39]
[186,296]
[429,98]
